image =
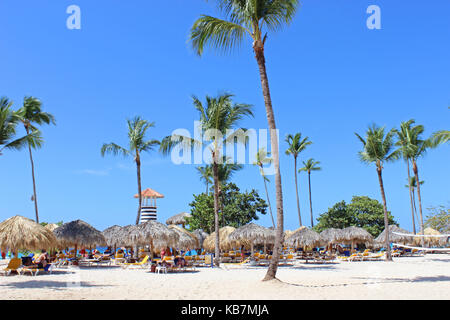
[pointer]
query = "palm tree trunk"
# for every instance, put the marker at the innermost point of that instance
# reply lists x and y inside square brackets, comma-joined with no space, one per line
[310,200]
[268,201]
[411,198]
[216,211]
[416,173]
[296,191]
[258,48]
[34,180]
[386,219]
[138,165]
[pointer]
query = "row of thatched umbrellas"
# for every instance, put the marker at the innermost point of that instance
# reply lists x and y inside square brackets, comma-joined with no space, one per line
[22,233]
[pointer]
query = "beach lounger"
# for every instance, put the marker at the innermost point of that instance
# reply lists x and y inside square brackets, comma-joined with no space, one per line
[15,264]
[141,264]
[47,269]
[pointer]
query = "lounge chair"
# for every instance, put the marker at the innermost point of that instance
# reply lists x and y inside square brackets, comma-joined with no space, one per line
[15,264]
[141,264]
[48,269]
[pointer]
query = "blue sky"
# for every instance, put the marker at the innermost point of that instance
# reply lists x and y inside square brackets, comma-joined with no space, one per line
[330,76]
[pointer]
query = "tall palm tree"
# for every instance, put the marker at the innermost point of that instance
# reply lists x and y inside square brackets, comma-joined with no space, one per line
[216,117]
[378,149]
[253,18]
[8,124]
[296,145]
[263,159]
[206,176]
[31,114]
[310,166]
[404,135]
[225,172]
[137,144]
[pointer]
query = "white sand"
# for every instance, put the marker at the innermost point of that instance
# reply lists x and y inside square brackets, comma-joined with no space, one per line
[406,278]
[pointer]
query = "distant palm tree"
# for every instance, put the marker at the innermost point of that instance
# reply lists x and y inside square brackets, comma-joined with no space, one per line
[309,166]
[137,144]
[262,159]
[296,146]
[226,172]
[206,176]
[378,148]
[8,124]
[216,117]
[254,19]
[31,114]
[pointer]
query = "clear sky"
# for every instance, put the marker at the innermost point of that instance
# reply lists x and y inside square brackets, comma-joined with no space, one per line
[330,76]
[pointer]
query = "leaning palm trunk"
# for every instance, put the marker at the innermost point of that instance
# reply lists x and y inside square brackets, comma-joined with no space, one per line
[216,212]
[411,198]
[310,199]
[386,220]
[416,173]
[296,191]
[138,165]
[258,48]
[34,180]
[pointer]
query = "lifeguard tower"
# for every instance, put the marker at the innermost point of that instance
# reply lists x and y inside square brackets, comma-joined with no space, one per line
[148,205]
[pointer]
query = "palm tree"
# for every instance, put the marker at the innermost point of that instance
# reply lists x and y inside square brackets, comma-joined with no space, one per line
[219,115]
[403,142]
[137,144]
[205,175]
[413,185]
[31,114]
[439,137]
[8,124]
[253,18]
[226,171]
[296,145]
[261,160]
[377,148]
[309,166]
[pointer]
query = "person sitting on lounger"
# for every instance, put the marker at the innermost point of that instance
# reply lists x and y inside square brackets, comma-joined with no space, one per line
[179,262]
[42,260]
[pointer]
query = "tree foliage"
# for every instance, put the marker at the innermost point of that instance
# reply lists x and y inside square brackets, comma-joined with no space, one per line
[239,208]
[438,218]
[362,212]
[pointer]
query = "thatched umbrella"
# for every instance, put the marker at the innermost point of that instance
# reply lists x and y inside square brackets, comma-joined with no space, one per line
[111,235]
[304,237]
[224,242]
[393,237]
[201,236]
[156,234]
[79,233]
[430,240]
[22,233]
[179,219]
[187,240]
[356,235]
[254,234]
[332,235]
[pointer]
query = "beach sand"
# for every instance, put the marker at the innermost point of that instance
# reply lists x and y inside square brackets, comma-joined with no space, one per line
[425,277]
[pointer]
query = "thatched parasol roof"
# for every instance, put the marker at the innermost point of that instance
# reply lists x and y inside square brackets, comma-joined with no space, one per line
[157,234]
[22,233]
[79,233]
[304,237]
[332,235]
[395,237]
[201,236]
[253,233]
[52,226]
[224,242]
[111,235]
[178,219]
[187,240]
[357,235]
[128,236]
[149,193]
